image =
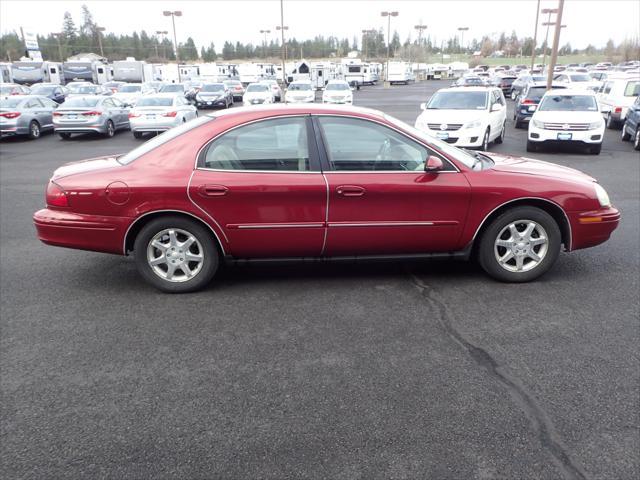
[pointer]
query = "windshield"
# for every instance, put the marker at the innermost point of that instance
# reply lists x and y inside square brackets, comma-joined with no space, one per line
[580,78]
[155,142]
[85,89]
[11,102]
[300,87]
[337,86]
[473,81]
[256,87]
[568,103]
[155,102]
[42,90]
[213,87]
[458,101]
[632,89]
[130,88]
[461,155]
[172,88]
[232,83]
[81,102]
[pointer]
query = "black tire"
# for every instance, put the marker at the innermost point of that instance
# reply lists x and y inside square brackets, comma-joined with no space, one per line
[500,137]
[137,134]
[64,135]
[34,130]
[518,124]
[636,139]
[625,136]
[514,95]
[611,123]
[487,256]
[531,146]
[485,141]
[111,130]
[595,149]
[211,257]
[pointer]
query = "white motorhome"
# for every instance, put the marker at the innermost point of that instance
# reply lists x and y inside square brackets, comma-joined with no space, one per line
[217,72]
[133,71]
[29,72]
[322,72]
[358,72]
[400,72]
[189,72]
[254,72]
[6,75]
[437,71]
[168,72]
[93,71]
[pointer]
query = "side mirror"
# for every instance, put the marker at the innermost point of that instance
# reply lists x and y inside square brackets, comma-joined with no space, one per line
[423,106]
[496,107]
[433,164]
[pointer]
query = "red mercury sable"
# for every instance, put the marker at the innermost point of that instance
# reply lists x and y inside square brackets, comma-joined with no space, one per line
[326,182]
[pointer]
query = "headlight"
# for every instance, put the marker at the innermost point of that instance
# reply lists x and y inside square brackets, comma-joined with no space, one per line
[602,195]
[594,125]
[474,124]
[537,124]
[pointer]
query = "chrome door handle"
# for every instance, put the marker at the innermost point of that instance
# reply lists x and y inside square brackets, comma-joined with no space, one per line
[212,190]
[350,190]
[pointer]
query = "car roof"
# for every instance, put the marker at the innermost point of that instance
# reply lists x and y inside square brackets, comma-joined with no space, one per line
[572,91]
[274,109]
[474,88]
[87,96]
[163,95]
[544,84]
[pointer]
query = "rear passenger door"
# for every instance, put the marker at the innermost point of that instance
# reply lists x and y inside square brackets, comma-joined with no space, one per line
[496,118]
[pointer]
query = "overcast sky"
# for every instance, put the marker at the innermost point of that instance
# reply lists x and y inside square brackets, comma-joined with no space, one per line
[588,21]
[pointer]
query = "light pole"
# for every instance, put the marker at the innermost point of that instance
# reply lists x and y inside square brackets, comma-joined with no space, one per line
[100,30]
[462,30]
[162,34]
[364,41]
[548,11]
[265,32]
[548,24]
[535,36]
[388,15]
[58,35]
[420,28]
[556,43]
[173,15]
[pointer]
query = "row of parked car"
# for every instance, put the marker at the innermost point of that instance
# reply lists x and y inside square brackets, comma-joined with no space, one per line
[268,91]
[473,114]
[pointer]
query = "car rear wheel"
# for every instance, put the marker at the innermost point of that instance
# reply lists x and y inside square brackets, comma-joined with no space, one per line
[636,139]
[65,136]
[34,130]
[500,137]
[611,123]
[111,131]
[176,255]
[520,245]
[625,135]
[137,134]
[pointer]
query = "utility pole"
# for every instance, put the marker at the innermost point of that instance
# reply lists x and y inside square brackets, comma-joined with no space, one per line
[388,15]
[173,15]
[282,27]
[462,30]
[265,32]
[162,34]
[548,11]
[556,43]
[100,30]
[535,37]
[420,28]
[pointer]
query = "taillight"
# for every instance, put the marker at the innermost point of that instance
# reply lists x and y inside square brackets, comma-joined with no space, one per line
[615,110]
[170,114]
[10,114]
[56,196]
[133,115]
[92,113]
[57,114]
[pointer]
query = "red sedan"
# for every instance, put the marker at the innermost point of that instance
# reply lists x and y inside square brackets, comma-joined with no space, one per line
[318,181]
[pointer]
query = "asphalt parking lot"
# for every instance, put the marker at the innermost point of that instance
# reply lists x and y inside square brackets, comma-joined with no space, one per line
[421,370]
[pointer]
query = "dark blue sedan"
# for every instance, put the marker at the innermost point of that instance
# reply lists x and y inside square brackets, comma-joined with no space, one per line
[53,92]
[631,128]
[527,102]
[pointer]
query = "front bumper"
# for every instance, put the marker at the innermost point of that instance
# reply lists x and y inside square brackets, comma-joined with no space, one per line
[464,137]
[81,231]
[206,103]
[299,100]
[592,228]
[348,100]
[590,137]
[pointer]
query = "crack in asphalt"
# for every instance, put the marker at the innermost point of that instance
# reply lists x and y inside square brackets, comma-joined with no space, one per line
[538,418]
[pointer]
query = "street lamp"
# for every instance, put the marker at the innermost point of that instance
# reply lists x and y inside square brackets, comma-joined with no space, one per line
[548,11]
[173,16]
[265,41]
[162,34]
[547,24]
[420,28]
[462,30]
[100,30]
[364,41]
[388,15]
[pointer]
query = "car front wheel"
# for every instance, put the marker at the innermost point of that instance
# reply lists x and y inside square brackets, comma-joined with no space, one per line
[500,137]
[485,141]
[636,139]
[520,245]
[34,130]
[111,130]
[176,255]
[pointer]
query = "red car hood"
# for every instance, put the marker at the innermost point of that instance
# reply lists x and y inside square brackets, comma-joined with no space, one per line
[83,166]
[529,166]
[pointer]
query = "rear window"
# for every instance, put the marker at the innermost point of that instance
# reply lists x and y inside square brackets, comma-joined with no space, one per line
[632,89]
[10,102]
[172,88]
[154,102]
[42,90]
[130,88]
[161,139]
[256,87]
[81,102]
[213,87]
[580,78]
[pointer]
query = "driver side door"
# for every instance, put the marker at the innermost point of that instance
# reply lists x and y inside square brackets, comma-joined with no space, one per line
[381,200]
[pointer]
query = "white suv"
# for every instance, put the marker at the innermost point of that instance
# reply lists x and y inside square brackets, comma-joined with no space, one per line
[465,116]
[616,96]
[567,116]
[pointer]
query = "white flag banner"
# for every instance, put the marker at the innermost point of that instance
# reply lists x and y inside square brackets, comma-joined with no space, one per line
[31,41]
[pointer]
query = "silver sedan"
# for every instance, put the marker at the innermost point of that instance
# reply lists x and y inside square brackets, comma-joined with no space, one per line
[26,115]
[93,113]
[160,112]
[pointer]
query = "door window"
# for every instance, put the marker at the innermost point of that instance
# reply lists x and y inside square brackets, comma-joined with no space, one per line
[109,103]
[360,145]
[270,145]
[607,87]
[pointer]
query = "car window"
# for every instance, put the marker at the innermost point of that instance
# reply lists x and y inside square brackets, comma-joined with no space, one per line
[632,89]
[607,87]
[270,145]
[361,145]
[32,103]
[108,103]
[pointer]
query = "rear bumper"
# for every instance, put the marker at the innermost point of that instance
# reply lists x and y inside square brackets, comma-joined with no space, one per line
[9,131]
[81,231]
[592,228]
[72,129]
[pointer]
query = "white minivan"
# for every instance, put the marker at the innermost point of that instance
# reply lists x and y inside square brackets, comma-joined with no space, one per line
[615,98]
[465,116]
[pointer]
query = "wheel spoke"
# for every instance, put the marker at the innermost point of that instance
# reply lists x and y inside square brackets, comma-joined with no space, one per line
[519,262]
[193,257]
[534,256]
[160,246]
[528,231]
[514,232]
[171,269]
[185,269]
[504,243]
[538,241]
[187,243]
[506,257]
[173,239]
[158,261]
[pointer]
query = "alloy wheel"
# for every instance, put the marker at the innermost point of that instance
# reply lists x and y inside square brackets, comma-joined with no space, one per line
[34,130]
[175,255]
[521,246]
[485,141]
[110,130]
[636,141]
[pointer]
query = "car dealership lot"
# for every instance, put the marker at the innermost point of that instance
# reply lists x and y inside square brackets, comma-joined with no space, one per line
[350,370]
